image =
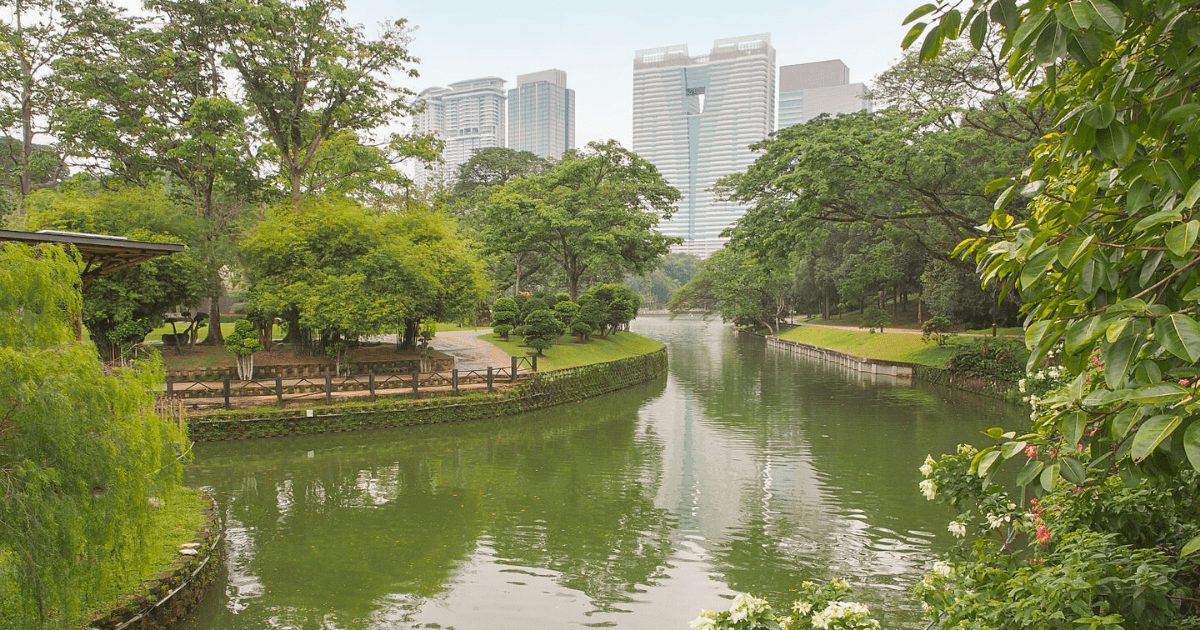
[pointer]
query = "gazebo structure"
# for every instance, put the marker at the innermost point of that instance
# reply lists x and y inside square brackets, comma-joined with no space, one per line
[102,254]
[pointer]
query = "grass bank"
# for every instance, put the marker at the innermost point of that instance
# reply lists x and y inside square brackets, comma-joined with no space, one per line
[886,346]
[568,352]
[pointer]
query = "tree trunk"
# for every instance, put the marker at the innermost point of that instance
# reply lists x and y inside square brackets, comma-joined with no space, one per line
[214,336]
[294,180]
[517,268]
[412,328]
[268,336]
[573,285]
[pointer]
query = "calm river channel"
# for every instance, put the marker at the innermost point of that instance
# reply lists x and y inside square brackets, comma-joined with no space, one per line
[747,469]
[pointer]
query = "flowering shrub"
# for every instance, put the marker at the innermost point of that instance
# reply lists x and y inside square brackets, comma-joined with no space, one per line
[821,606]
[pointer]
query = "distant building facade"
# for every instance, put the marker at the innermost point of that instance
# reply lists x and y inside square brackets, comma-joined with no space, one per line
[466,116]
[695,118]
[541,114]
[807,90]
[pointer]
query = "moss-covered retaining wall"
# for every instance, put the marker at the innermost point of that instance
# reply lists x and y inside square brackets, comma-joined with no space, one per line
[544,389]
[164,600]
[994,388]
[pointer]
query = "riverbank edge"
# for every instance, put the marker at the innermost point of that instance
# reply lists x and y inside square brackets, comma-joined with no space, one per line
[992,388]
[165,599]
[540,390]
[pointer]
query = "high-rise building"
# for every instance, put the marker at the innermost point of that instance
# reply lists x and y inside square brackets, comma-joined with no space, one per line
[807,90]
[541,114]
[695,119]
[467,116]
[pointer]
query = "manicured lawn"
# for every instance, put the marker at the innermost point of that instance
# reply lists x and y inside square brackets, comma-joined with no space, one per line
[887,346]
[570,353]
[449,326]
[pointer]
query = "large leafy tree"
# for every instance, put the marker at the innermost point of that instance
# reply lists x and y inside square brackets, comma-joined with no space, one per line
[119,309]
[148,98]
[34,35]
[1105,262]
[594,212]
[323,92]
[740,288]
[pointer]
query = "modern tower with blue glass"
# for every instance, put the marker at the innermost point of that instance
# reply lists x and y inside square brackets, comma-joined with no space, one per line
[695,118]
[541,114]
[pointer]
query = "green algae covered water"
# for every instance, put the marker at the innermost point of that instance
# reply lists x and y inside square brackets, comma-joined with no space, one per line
[747,469]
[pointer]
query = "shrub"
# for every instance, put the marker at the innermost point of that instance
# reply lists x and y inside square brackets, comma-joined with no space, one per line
[566,311]
[243,342]
[502,330]
[936,328]
[505,311]
[823,606]
[581,329]
[990,357]
[542,328]
[875,317]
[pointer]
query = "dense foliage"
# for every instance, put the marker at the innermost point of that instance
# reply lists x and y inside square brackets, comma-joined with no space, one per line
[82,452]
[1104,259]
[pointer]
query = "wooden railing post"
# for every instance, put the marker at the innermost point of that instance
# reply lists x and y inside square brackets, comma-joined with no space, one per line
[491,388]
[225,390]
[533,362]
[328,388]
[170,388]
[454,380]
[512,375]
[279,390]
[416,383]
[371,383]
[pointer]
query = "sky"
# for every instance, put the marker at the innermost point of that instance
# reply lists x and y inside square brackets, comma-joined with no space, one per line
[594,42]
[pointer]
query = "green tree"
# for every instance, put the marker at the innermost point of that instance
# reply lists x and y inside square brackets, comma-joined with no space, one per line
[1104,260]
[120,308]
[542,329]
[565,311]
[83,452]
[148,98]
[318,83]
[493,166]
[740,288]
[593,211]
[243,343]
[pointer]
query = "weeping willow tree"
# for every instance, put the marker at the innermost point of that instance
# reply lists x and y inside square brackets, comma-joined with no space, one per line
[82,453]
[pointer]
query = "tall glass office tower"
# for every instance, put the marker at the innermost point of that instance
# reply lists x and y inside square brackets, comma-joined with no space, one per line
[541,114]
[467,116]
[695,119]
[807,90]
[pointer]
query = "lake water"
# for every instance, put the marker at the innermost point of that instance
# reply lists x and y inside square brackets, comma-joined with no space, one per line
[747,469]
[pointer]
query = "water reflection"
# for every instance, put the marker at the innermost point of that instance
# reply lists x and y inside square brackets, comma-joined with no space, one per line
[747,469]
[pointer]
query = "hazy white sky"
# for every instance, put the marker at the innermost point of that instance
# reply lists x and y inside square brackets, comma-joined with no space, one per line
[594,41]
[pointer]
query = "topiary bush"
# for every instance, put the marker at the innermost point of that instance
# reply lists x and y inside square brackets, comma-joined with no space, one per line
[937,329]
[542,329]
[875,317]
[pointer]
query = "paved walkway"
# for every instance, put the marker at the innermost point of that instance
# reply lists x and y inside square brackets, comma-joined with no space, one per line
[469,351]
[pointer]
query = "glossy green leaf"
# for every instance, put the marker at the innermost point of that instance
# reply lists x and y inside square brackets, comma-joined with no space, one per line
[1105,15]
[1072,426]
[1180,238]
[919,12]
[1152,433]
[1191,547]
[1049,477]
[1114,141]
[985,463]
[1158,218]
[1180,335]
[1029,472]
[1158,394]
[1073,471]
[1192,196]
[979,27]
[1191,444]
[913,33]
[932,45]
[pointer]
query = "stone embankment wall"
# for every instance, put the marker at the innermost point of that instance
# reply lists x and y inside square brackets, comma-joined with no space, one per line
[939,376]
[870,366]
[543,389]
[164,600]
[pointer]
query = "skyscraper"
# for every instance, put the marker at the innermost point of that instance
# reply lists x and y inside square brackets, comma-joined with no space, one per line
[541,114]
[467,116]
[695,119]
[807,90]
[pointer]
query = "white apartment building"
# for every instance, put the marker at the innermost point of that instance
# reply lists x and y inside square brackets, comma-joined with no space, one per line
[807,90]
[466,116]
[541,114]
[695,118]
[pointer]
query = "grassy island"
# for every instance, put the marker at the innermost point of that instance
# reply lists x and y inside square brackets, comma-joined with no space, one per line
[886,346]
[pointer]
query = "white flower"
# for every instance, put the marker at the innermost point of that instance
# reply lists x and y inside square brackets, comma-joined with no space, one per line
[802,607]
[958,528]
[1021,386]
[843,611]
[746,606]
[927,467]
[943,569]
[996,521]
[929,489]
[706,621]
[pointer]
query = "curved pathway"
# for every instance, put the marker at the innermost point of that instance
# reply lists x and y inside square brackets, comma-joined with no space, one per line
[469,351]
